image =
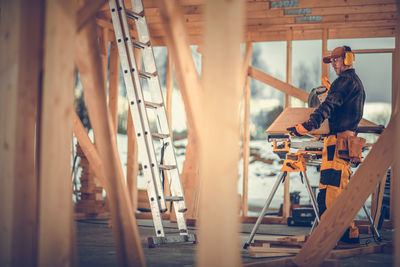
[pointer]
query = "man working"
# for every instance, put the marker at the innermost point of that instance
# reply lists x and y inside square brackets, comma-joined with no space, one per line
[343,107]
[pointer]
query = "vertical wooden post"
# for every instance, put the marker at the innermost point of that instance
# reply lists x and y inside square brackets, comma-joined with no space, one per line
[219,134]
[189,86]
[286,188]
[126,234]
[246,126]
[113,84]
[395,183]
[395,168]
[20,65]
[325,67]
[289,38]
[55,209]
[170,89]
[132,167]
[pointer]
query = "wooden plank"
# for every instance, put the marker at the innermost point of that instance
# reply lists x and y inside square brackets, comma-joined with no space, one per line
[20,67]
[89,150]
[395,171]
[274,250]
[292,116]
[325,67]
[219,147]
[113,85]
[286,188]
[269,255]
[376,202]
[55,206]
[132,165]
[246,127]
[125,231]
[278,84]
[189,85]
[352,252]
[169,89]
[337,218]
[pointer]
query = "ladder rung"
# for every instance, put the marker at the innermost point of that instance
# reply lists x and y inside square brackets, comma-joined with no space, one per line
[133,15]
[159,136]
[153,105]
[173,198]
[140,45]
[147,75]
[166,167]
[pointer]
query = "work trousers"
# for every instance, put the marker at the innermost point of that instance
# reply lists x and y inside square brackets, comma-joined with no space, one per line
[335,174]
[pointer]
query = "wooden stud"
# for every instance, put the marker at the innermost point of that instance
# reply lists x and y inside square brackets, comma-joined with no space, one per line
[189,86]
[219,134]
[246,126]
[286,188]
[55,207]
[339,216]
[278,84]
[113,85]
[132,165]
[125,230]
[376,201]
[325,67]
[170,89]
[20,67]
[395,183]
[89,150]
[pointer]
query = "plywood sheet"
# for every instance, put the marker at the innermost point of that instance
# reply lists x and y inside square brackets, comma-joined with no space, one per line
[292,116]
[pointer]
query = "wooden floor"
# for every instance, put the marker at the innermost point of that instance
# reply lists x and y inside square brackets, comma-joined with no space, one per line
[95,245]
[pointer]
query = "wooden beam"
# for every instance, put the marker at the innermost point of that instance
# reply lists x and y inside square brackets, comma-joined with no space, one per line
[89,150]
[339,216]
[88,12]
[113,85]
[395,168]
[189,85]
[21,41]
[325,67]
[125,231]
[246,126]
[219,147]
[278,84]
[132,165]
[169,89]
[55,207]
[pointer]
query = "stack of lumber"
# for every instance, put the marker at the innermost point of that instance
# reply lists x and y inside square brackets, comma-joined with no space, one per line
[281,247]
[290,246]
[91,202]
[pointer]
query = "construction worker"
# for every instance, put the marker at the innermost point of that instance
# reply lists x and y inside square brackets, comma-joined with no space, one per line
[343,107]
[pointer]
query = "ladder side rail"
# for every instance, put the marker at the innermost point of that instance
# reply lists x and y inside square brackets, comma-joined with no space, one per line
[146,134]
[155,88]
[151,189]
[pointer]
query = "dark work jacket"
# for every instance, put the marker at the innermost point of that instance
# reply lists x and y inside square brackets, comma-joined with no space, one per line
[343,105]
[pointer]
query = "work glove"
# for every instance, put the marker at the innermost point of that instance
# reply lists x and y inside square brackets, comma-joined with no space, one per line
[301,128]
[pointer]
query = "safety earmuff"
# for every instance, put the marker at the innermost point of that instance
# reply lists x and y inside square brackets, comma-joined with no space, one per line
[348,56]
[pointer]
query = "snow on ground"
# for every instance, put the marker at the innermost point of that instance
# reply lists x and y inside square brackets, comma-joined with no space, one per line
[261,179]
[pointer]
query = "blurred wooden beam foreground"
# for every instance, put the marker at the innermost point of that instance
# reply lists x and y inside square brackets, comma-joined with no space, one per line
[125,231]
[219,134]
[20,65]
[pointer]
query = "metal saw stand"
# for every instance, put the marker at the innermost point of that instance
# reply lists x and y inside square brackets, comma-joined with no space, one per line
[294,162]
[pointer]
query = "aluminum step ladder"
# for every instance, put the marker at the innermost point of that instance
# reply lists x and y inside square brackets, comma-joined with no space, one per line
[135,80]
